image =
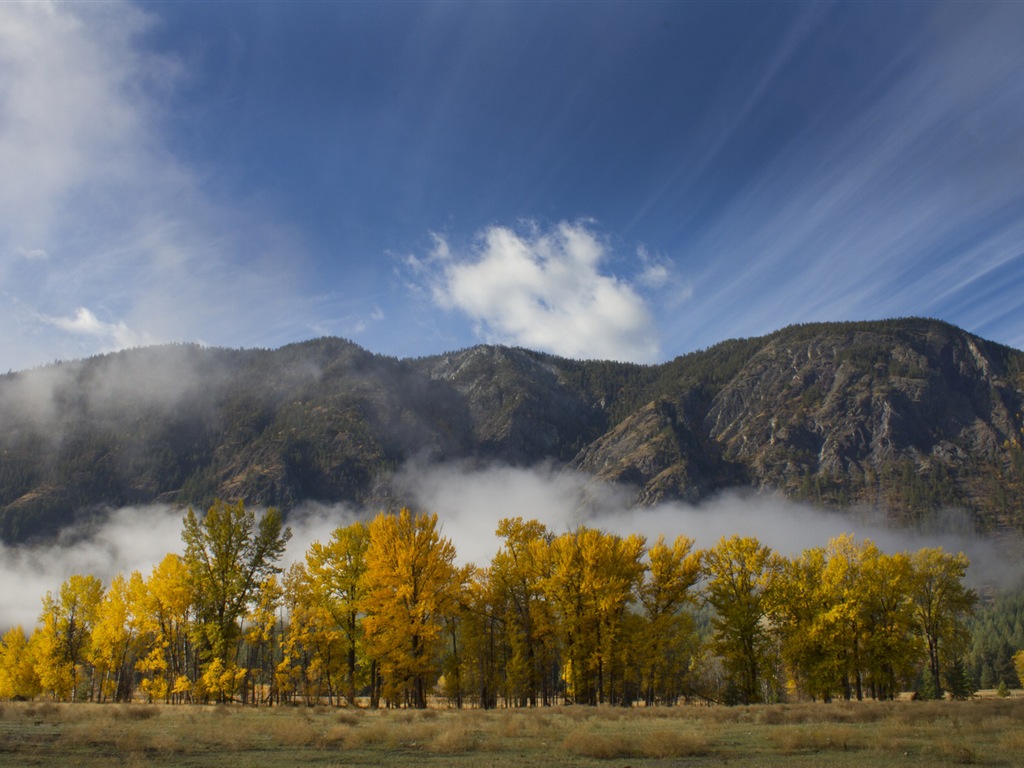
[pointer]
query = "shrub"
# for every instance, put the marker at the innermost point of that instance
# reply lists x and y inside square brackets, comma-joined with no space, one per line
[929,688]
[814,738]
[585,743]
[659,744]
[347,718]
[453,740]
[665,744]
[136,712]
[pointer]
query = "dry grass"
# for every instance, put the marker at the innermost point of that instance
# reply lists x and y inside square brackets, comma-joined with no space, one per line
[455,739]
[987,732]
[659,746]
[822,737]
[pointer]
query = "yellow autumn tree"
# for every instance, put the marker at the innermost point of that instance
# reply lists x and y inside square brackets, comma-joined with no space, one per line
[667,642]
[168,615]
[64,637]
[942,606]
[564,587]
[229,553]
[457,620]
[18,677]
[1018,663]
[313,647]
[261,641]
[335,571]
[843,581]
[477,662]
[844,617]
[615,570]
[118,639]
[409,584]
[591,581]
[815,659]
[892,648]
[742,579]
[517,574]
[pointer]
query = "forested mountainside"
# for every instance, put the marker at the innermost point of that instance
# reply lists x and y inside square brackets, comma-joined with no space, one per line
[911,416]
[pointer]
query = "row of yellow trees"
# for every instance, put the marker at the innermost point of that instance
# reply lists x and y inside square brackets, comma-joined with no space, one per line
[382,611]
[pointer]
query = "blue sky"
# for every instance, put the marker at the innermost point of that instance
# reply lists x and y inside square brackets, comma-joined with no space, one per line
[600,180]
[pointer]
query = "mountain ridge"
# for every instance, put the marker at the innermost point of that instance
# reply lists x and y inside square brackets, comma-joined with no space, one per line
[910,415]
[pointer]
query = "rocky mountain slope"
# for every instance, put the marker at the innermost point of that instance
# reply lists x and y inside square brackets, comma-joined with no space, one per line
[910,416]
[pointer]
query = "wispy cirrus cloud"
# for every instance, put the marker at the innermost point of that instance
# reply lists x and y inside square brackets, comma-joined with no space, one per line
[546,289]
[900,209]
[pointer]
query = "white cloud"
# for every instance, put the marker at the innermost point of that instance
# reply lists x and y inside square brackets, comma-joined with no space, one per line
[544,290]
[32,254]
[66,122]
[114,335]
[96,210]
[440,251]
[654,276]
[658,274]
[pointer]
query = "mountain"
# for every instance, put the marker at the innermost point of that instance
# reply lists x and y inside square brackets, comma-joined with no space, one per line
[910,416]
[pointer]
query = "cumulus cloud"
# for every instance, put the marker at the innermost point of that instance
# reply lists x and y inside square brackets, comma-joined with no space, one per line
[115,335]
[544,289]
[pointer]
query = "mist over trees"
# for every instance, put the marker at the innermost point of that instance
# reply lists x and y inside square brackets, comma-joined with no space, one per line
[380,614]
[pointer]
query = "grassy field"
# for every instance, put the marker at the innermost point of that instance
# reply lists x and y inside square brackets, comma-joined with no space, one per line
[979,732]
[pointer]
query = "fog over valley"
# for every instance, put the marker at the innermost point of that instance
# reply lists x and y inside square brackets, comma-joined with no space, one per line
[469,503]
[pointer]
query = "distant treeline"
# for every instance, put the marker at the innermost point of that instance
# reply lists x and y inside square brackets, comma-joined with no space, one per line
[381,613]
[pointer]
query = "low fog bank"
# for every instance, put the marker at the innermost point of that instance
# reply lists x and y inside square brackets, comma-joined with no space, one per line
[469,502]
[131,538]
